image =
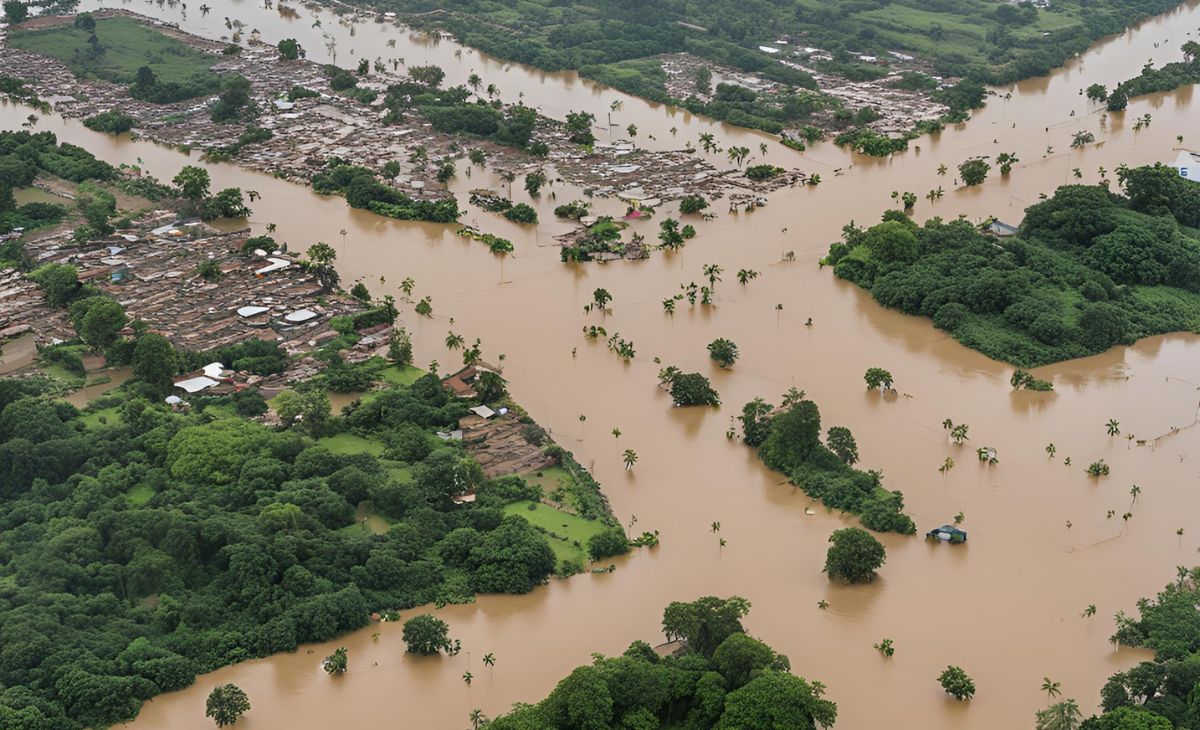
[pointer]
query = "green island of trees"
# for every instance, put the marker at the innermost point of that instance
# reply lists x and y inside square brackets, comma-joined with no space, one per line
[1152,80]
[363,190]
[23,156]
[788,439]
[719,677]
[1089,269]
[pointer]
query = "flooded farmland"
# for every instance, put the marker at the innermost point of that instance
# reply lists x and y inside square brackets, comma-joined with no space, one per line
[1006,607]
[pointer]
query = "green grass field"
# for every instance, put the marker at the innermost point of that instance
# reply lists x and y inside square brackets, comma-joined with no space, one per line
[563,530]
[401,376]
[95,419]
[348,443]
[126,46]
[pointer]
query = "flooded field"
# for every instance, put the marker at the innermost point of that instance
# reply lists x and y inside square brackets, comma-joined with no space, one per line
[1006,607]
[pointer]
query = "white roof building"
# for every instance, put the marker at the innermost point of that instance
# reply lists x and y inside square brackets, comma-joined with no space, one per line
[483,412]
[1188,165]
[195,385]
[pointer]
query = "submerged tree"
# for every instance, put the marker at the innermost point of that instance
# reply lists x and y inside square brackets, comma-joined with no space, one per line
[956,683]
[226,704]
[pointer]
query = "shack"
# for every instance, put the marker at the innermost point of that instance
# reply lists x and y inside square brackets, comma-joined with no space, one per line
[947,533]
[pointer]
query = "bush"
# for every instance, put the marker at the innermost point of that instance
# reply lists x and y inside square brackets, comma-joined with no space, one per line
[111,122]
[609,542]
[956,683]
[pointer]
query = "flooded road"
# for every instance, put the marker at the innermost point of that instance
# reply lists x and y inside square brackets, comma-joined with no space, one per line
[1006,606]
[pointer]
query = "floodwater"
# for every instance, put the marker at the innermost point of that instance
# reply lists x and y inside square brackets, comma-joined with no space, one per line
[1006,606]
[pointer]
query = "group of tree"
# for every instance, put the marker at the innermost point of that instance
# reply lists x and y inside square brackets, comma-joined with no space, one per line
[1089,269]
[721,678]
[364,190]
[23,156]
[788,439]
[453,110]
[149,546]
[192,185]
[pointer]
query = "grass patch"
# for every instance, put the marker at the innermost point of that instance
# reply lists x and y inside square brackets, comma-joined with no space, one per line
[125,46]
[567,533]
[223,410]
[96,419]
[347,443]
[398,470]
[406,375]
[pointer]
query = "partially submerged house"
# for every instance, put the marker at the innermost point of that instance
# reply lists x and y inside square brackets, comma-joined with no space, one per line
[1187,163]
[948,533]
[462,383]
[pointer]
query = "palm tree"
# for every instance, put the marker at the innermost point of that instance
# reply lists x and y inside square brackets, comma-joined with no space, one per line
[941,169]
[508,176]
[1063,716]
[947,465]
[1089,611]
[1052,689]
[477,719]
[822,604]
[1051,449]
[453,341]
[1134,491]
[467,676]
[762,147]
[271,227]
[715,527]
[616,432]
[489,659]
[706,141]
[630,458]
[1113,426]
[474,82]
[745,275]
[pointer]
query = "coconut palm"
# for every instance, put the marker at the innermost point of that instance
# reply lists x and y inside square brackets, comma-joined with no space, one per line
[1051,449]
[1063,716]
[616,432]
[508,176]
[1134,491]
[947,465]
[477,719]
[630,458]
[489,659]
[1113,426]
[715,527]
[467,676]
[822,604]
[453,341]
[474,82]
[1051,688]
[1089,611]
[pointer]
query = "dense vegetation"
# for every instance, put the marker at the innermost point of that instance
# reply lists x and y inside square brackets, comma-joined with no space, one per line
[450,110]
[1170,76]
[720,678]
[1161,694]
[116,49]
[615,41]
[789,440]
[1089,269]
[143,546]
[22,157]
[363,190]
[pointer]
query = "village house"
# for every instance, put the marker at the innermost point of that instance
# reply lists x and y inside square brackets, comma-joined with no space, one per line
[1188,165]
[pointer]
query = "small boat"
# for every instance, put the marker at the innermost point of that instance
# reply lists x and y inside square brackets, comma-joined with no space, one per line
[947,533]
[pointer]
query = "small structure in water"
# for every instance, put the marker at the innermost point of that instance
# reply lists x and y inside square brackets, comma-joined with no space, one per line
[947,533]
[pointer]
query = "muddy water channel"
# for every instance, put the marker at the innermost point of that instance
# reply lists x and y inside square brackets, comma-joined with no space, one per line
[1006,606]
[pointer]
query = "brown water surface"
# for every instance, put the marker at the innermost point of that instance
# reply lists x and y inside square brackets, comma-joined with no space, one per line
[1006,606]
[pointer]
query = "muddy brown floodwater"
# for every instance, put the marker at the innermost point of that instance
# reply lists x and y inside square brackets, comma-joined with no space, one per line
[1006,606]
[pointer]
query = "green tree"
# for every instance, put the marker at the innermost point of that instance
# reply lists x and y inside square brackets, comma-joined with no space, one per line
[400,347]
[154,360]
[840,441]
[974,172]
[724,352]
[1097,93]
[1064,715]
[794,434]
[956,683]
[1118,100]
[97,321]
[581,701]
[59,282]
[756,421]
[335,663]
[608,543]
[741,658]
[776,700]
[426,634]
[490,387]
[693,389]
[630,458]
[878,378]
[192,183]
[226,704]
[309,409]
[601,298]
[579,127]
[320,262]
[15,11]
[854,555]
[534,182]
[704,623]
[289,49]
